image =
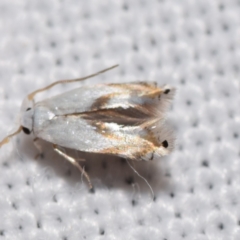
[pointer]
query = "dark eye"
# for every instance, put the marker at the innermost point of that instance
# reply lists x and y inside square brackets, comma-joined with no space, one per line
[165,144]
[28,109]
[26,130]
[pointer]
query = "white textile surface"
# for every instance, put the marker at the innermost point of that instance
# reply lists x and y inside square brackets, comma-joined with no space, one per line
[189,44]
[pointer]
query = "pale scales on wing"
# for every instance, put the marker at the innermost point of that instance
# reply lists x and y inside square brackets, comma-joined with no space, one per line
[119,119]
[111,96]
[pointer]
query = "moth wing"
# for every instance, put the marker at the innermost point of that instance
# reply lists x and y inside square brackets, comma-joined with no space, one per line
[119,119]
[141,142]
[145,96]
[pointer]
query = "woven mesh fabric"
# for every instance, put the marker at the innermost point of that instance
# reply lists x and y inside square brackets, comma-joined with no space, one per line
[191,45]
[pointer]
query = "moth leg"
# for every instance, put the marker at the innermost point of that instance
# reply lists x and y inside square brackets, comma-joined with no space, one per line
[74,162]
[39,148]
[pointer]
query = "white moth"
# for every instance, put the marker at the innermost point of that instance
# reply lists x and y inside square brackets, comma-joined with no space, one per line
[123,119]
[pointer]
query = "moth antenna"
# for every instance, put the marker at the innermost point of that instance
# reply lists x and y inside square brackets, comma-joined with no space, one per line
[152,192]
[7,138]
[31,95]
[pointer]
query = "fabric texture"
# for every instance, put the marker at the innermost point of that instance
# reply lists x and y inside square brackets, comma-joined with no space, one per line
[191,45]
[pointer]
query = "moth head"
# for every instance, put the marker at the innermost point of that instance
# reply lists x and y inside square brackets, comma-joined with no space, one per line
[27,116]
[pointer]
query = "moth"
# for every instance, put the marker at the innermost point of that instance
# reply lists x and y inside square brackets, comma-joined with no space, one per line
[122,119]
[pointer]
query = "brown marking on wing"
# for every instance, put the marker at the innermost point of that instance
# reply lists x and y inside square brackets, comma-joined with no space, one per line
[137,145]
[131,89]
[140,148]
[150,136]
[137,86]
[132,146]
[126,117]
[140,88]
[102,129]
[102,101]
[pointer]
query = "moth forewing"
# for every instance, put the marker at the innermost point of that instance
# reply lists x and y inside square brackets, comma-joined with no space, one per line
[136,95]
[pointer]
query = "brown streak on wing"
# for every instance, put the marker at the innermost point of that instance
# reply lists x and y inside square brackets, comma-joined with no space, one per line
[131,89]
[135,86]
[150,137]
[104,130]
[136,152]
[139,88]
[102,101]
[134,148]
[128,117]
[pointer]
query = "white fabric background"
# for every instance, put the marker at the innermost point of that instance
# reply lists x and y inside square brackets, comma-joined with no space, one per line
[192,45]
